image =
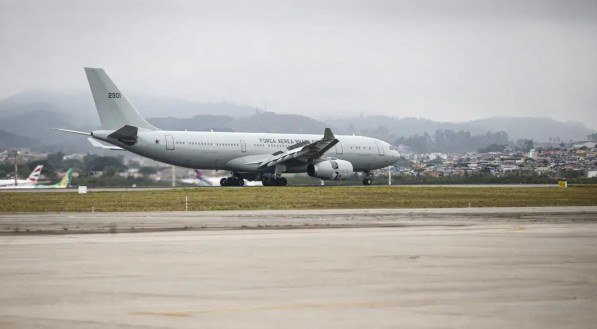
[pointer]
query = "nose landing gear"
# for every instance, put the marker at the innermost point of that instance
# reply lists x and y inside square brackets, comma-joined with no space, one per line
[367,180]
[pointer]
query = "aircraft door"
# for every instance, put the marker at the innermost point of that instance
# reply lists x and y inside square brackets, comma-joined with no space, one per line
[243,146]
[339,149]
[379,148]
[169,142]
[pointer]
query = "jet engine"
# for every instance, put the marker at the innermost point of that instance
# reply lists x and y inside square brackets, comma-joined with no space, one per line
[330,169]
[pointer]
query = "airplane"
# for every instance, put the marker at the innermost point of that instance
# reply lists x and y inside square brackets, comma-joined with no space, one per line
[261,157]
[199,179]
[63,183]
[30,181]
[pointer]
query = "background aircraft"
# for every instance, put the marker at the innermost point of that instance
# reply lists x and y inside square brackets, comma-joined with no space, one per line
[253,156]
[201,180]
[63,183]
[30,181]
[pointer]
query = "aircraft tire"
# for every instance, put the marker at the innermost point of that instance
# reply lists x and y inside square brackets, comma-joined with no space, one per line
[367,181]
[281,181]
[224,181]
[240,182]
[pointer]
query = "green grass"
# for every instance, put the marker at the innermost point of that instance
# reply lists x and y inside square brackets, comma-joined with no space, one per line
[299,198]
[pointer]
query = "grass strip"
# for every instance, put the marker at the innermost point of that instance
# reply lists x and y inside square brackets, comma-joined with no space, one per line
[299,198]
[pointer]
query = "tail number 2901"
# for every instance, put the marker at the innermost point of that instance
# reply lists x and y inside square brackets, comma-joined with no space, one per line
[113,95]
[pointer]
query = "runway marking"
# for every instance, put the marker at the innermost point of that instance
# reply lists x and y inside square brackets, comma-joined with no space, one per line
[168,314]
[365,304]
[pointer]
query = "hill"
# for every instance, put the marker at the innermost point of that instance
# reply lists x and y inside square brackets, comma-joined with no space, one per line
[29,118]
[538,129]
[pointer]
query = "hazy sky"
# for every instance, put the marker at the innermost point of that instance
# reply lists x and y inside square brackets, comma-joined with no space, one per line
[443,60]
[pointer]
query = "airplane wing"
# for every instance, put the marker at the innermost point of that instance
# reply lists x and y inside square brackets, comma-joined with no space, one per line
[303,151]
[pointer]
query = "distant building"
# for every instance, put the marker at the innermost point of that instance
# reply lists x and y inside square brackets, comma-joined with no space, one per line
[74,156]
[588,145]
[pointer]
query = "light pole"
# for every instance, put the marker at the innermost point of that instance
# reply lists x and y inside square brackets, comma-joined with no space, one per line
[16,165]
[173,176]
[389,175]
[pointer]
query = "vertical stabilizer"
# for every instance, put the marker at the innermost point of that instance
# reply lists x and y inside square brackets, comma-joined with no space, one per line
[35,174]
[113,107]
[65,182]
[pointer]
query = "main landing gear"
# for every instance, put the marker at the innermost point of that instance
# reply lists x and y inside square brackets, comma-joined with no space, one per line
[232,181]
[237,180]
[274,181]
[367,180]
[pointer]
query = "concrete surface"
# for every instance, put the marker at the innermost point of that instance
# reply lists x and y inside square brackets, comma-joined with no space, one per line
[479,268]
[119,222]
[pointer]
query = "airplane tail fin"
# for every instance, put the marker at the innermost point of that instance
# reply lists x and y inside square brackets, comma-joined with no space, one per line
[65,182]
[114,109]
[35,174]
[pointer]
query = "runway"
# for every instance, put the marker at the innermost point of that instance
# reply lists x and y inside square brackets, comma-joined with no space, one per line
[410,268]
[138,189]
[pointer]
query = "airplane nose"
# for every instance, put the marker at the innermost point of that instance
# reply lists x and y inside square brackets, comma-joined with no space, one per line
[395,155]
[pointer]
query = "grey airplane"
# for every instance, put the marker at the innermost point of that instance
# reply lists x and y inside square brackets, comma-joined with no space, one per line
[248,156]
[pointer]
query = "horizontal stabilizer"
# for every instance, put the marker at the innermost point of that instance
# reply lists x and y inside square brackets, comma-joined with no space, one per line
[102,146]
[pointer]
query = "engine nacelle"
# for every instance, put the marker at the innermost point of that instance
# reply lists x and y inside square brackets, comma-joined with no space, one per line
[330,169]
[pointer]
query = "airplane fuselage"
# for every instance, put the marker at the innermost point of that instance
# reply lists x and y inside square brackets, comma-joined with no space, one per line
[11,182]
[237,151]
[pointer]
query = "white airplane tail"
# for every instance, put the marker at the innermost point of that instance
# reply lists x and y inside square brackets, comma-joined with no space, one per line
[114,109]
[35,174]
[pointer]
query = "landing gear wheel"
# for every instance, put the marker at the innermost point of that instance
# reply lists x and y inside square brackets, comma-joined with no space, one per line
[367,181]
[240,182]
[277,181]
[224,181]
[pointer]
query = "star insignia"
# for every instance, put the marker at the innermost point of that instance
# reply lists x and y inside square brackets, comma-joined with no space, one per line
[157,141]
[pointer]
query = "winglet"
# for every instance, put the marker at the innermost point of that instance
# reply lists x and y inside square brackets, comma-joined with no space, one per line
[328,134]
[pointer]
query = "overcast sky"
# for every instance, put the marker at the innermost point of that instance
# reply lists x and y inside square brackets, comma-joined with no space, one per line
[442,60]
